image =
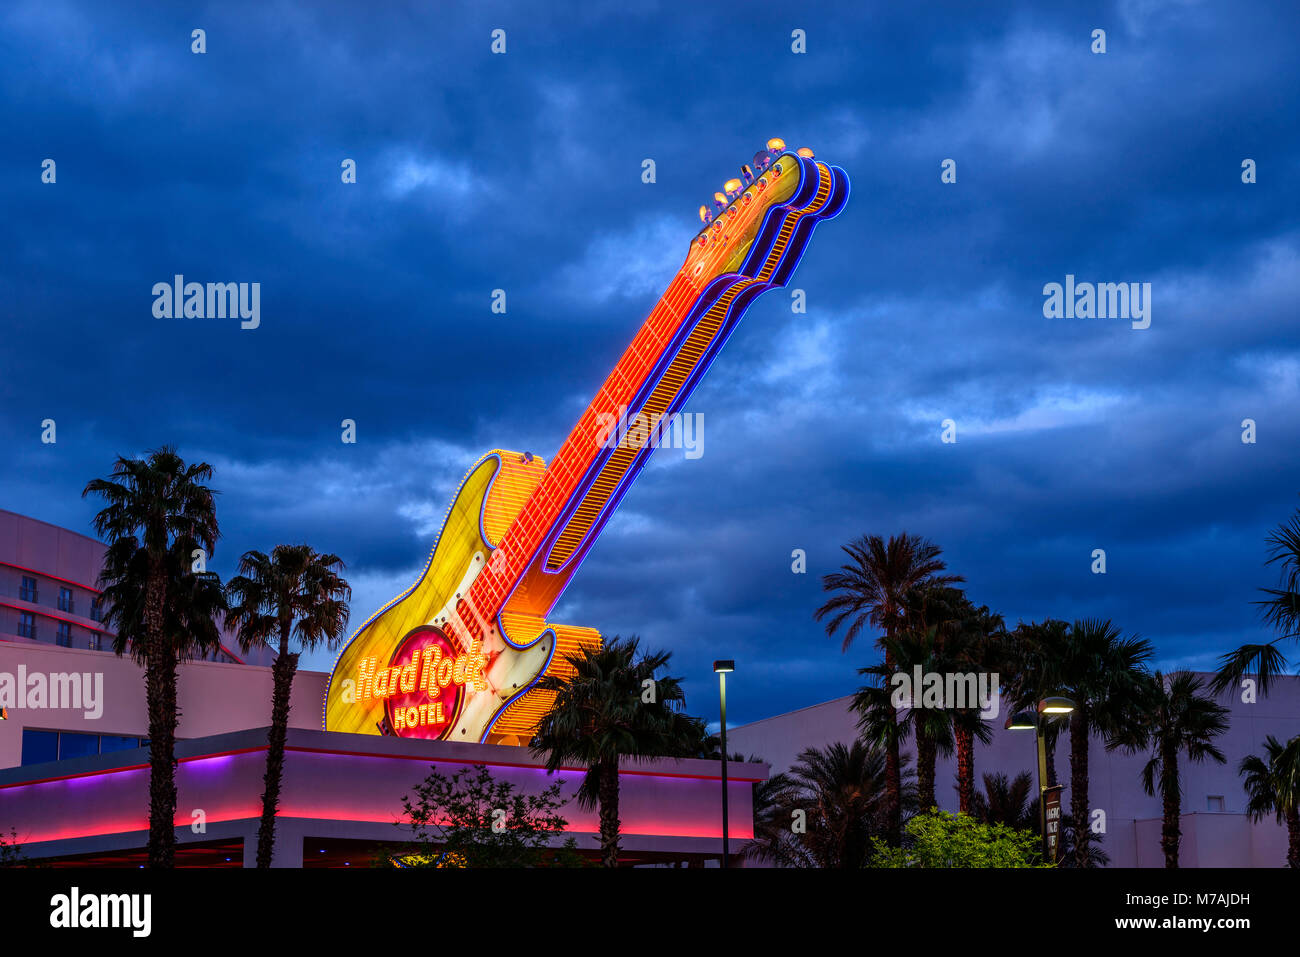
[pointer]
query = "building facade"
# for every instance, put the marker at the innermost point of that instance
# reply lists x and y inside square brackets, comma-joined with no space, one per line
[49,593]
[74,756]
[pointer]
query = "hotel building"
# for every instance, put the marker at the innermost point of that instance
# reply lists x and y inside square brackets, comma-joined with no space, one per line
[74,780]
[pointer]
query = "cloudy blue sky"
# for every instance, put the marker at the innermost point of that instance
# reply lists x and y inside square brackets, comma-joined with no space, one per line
[523,172]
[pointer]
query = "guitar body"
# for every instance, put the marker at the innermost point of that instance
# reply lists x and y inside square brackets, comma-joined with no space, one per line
[516,648]
[456,656]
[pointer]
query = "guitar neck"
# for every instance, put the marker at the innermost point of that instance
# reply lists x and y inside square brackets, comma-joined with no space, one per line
[799,188]
[583,444]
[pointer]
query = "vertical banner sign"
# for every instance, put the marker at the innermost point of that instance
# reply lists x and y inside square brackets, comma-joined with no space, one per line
[1052,822]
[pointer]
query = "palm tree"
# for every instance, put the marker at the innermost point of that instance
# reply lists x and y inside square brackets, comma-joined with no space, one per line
[871,590]
[1273,787]
[157,514]
[1007,802]
[1105,674]
[840,794]
[1179,720]
[1281,611]
[976,646]
[598,717]
[295,592]
[878,704]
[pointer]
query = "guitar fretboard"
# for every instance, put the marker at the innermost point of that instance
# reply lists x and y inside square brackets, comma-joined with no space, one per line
[571,462]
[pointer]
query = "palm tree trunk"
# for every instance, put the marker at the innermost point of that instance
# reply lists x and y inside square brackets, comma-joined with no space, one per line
[160,700]
[1079,784]
[1172,805]
[893,766]
[926,755]
[607,788]
[1293,833]
[965,770]
[282,672]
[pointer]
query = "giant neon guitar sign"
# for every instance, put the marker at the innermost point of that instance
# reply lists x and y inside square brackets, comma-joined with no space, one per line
[456,656]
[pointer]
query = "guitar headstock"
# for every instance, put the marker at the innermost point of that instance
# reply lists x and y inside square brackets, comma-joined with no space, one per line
[732,220]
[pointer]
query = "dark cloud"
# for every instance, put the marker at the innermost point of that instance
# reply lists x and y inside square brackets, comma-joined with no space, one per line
[522,172]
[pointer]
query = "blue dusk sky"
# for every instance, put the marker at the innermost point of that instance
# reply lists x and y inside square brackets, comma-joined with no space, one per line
[478,171]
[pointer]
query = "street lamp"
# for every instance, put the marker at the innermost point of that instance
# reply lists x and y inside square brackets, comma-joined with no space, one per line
[721,668]
[1047,709]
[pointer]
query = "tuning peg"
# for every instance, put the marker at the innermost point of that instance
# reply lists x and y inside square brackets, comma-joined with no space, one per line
[747,174]
[705,215]
[732,186]
[762,160]
[805,152]
[776,145]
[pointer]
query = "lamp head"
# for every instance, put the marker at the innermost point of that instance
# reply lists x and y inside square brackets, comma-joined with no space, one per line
[724,665]
[1055,705]
[1021,721]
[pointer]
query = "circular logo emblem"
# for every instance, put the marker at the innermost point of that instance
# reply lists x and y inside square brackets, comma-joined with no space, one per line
[426,659]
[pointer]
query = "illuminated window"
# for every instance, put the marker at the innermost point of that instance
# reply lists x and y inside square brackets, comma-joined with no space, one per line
[28,591]
[96,642]
[26,624]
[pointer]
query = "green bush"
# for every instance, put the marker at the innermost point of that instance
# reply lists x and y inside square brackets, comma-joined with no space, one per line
[940,839]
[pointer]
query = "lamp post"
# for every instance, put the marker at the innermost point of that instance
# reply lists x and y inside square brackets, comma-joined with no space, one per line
[1037,719]
[721,668]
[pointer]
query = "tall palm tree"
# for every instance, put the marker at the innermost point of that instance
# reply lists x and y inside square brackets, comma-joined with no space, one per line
[877,705]
[295,592]
[157,512]
[1281,611]
[871,591]
[976,646]
[933,612]
[841,792]
[1273,787]
[598,717]
[1105,674]
[1180,720]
